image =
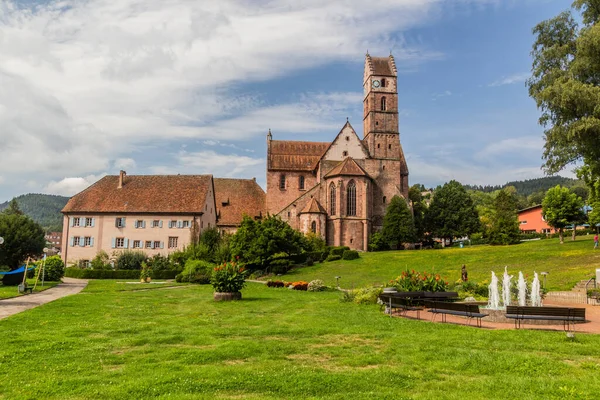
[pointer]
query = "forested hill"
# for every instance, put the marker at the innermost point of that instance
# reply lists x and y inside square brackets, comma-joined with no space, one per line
[529,186]
[43,208]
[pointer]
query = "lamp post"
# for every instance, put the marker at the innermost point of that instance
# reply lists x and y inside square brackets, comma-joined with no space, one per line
[337,281]
[44,265]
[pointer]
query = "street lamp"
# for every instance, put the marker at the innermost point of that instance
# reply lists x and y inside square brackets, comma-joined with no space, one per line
[337,281]
[544,274]
[1,240]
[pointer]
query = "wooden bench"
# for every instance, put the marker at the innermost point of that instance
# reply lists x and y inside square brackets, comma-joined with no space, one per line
[565,314]
[471,311]
[400,303]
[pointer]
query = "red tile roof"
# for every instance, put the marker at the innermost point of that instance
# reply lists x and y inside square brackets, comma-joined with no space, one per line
[291,155]
[236,198]
[313,207]
[144,194]
[348,167]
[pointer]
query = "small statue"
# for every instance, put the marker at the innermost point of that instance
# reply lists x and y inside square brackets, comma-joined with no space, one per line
[464,275]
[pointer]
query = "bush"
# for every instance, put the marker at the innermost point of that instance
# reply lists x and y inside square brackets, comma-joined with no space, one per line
[300,285]
[229,277]
[162,263]
[594,293]
[275,284]
[332,257]
[280,266]
[378,243]
[210,238]
[309,262]
[315,243]
[411,281]
[101,261]
[338,251]
[130,260]
[350,255]
[197,271]
[54,269]
[316,286]
[367,295]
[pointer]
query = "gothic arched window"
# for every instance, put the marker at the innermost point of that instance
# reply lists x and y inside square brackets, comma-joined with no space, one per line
[332,199]
[383,104]
[351,199]
[313,227]
[301,182]
[282,182]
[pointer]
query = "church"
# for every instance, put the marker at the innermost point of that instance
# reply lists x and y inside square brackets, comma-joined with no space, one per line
[339,190]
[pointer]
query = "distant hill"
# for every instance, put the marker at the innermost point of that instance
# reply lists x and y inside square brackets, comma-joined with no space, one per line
[42,208]
[530,186]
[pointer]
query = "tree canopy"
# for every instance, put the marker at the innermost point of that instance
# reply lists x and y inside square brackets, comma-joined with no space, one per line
[452,212]
[23,237]
[560,208]
[504,222]
[398,225]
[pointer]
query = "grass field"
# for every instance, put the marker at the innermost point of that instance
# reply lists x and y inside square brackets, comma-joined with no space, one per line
[567,264]
[114,341]
[12,291]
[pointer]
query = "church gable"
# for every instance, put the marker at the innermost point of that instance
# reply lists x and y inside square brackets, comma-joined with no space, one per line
[346,144]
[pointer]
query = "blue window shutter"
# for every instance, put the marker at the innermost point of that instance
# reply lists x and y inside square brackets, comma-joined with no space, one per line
[114,243]
[179,223]
[123,222]
[91,242]
[160,224]
[71,222]
[151,245]
[72,240]
[82,241]
[144,224]
[126,244]
[93,222]
[162,245]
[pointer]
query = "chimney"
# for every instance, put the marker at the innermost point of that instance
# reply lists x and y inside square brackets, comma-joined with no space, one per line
[122,175]
[254,179]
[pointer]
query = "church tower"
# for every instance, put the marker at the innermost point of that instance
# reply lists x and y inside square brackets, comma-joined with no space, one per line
[380,120]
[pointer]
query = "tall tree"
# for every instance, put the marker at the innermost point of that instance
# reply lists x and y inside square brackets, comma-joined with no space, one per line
[398,224]
[419,207]
[560,208]
[23,237]
[565,84]
[505,222]
[451,212]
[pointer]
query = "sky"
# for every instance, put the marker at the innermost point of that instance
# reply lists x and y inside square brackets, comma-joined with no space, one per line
[88,88]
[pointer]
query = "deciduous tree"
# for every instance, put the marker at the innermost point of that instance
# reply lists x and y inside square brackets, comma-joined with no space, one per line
[505,222]
[23,237]
[398,224]
[560,208]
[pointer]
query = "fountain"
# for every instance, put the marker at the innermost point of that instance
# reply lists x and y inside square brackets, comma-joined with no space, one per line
[536,299]
[522,285]
[494,296]
[506,284]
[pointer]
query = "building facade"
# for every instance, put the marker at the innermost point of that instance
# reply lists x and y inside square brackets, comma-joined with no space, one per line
[339,190]
[532,221]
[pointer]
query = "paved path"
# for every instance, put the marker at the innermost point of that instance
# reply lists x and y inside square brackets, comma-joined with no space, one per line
[19,304]
[592,315]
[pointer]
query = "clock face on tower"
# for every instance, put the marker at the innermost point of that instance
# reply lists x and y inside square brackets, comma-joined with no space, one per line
[375,83]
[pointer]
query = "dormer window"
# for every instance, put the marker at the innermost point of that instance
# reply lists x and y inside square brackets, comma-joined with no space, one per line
[383,104]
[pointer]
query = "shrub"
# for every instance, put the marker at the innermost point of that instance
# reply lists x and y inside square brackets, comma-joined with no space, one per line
[350,255]
[300,285]
[54,268]
[316,286]
[332,257]
[146,272]
[197,271]
[411,281]
[367,295]
[229,277]
[275,284]
[130,260]
[338,251]
[101,261]
[222,252]
[378,243]
[594,293]
[315,243]
[72,272]
[210,238]
[348,296]
[309,262]
[162,263]
[280,266]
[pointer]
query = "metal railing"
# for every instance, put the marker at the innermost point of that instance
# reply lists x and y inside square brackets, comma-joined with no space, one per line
[586,289]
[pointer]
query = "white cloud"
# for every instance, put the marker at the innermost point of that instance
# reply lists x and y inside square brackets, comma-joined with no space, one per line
[525,144]
[124,163]
[446,93]
[71,185]
[511,79]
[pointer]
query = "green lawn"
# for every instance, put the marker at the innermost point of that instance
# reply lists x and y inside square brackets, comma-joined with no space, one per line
[567,264]
[113,341]
[12,291]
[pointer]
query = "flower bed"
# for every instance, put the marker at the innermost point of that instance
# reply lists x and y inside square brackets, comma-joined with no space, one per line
[411,281]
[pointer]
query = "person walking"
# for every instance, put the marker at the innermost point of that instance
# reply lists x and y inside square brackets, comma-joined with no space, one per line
[596,241]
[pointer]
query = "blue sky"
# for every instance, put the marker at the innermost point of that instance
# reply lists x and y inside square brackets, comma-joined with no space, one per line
[184,86]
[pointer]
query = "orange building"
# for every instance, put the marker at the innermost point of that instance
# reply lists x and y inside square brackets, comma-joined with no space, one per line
[531,220]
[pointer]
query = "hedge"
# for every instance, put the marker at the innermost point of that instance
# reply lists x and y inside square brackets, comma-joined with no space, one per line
[350,255]
[338,251]
[114,274]
[332,257]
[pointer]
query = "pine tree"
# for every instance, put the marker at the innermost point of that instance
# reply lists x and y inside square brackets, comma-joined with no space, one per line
[505,222]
